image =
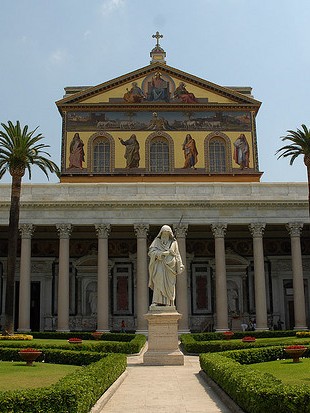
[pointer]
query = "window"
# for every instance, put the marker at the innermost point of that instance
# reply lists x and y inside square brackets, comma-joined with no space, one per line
[101,155]
[159,155]
[217,155]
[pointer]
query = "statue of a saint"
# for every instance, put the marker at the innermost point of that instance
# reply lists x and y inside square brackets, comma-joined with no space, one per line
[165,265]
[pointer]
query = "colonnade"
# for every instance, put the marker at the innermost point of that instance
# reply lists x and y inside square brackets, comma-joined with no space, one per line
[182,304]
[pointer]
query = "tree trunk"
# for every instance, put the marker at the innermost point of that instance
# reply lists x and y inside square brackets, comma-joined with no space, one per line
[12,254]
[308,173]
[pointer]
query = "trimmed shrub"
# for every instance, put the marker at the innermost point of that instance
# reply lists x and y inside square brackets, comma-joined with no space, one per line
[133,345]
[75,393]
[253,391]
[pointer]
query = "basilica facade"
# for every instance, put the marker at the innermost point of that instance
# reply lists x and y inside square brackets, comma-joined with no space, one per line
[159,146]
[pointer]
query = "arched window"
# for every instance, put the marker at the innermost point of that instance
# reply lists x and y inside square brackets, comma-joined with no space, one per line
[217,155]
[101,155]
[159,155]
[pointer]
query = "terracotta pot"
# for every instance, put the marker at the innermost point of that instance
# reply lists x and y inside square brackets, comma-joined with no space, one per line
[228,335]
[29,356]
[97,335]
[295,353]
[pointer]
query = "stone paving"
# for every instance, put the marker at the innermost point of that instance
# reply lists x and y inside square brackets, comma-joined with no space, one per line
[164,389]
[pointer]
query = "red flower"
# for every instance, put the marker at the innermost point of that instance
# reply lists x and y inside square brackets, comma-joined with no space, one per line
[29,350]
[296,347]
[75,340]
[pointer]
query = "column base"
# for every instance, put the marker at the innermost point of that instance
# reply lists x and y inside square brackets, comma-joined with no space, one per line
[222,330]
[261,329]
[143,332]
[63,331]
[24,330]
[303,328]
[163,344]
[163,358]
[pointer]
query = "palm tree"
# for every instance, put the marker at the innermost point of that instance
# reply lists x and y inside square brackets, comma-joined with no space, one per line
[19,150]
[300,145]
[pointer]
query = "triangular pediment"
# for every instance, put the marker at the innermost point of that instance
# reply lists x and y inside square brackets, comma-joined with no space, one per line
[119,91]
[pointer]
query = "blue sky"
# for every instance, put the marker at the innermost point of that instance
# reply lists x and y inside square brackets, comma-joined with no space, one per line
[47,45]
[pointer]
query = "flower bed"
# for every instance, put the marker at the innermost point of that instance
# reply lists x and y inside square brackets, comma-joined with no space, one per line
[75,340]
[295,352]
[248,339]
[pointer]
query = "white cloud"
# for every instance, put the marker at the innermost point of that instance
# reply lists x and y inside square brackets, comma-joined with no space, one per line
[109,6]
[58,56]
[87,33]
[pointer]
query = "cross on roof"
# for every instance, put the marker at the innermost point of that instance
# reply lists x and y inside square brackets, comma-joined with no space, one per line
[157,36]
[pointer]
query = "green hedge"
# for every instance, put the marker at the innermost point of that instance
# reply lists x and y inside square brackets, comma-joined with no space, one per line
[253,391]
[123,337]
[131,346]
[241,334]
[75,393]
[191,345]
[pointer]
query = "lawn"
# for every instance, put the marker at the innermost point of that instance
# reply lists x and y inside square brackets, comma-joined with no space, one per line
[16,375]
[286,370]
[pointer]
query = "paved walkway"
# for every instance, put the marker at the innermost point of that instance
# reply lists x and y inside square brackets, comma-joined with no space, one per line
[164,389]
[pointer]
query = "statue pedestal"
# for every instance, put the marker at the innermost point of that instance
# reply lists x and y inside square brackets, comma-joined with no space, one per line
[163,343]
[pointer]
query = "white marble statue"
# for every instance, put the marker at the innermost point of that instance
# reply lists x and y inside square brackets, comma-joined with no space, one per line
[165,265]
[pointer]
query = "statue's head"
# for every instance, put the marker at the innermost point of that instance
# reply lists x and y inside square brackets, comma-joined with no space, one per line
[166,229]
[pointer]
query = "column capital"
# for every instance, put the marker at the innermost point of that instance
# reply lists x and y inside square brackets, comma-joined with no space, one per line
[26,230]
[257,229]
[103,230]
[180,230]
[219,230]
[64,230]
[141,230]
[294,228]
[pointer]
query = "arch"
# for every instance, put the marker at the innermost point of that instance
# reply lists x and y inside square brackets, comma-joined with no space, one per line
[101,153]
[218,153]
[159,152]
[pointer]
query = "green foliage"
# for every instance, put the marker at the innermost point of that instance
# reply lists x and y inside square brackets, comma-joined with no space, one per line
[130,344]
[253,391]
[20,149]
[300,144]
[75,393]
[194,344]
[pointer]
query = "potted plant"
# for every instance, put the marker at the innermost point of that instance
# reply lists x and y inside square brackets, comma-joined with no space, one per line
[295,351]
[248,339]
[75,340]
[228,334]
[29,355]
[97,335]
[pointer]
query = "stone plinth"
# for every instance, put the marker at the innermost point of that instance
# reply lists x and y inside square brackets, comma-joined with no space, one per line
[163,344]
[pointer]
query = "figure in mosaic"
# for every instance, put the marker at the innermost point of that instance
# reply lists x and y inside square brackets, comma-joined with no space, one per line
[135,94]
[190,152]
[164,267]
[132,154]
[76,157]
[242,152]
[159,88]
[182,94]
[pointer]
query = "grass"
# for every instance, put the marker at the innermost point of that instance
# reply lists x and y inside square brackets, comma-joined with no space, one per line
[17,376]
[286,371]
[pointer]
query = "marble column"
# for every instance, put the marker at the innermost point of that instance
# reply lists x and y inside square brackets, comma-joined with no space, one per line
[26,231]
[257,231]
[294,230]
[142,291]
[182,306]
[103,231]
[219,231]
[64,231]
